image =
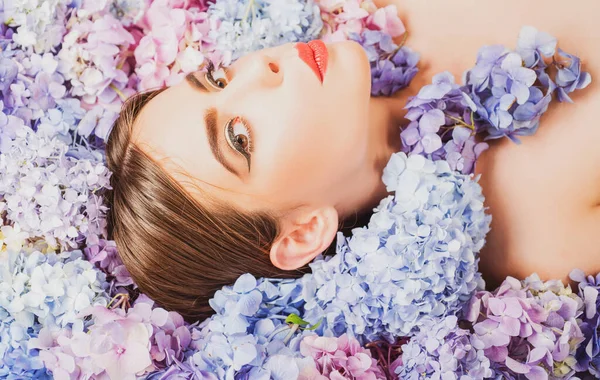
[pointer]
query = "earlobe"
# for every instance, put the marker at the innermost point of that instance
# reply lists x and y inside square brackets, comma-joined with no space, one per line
[303,238]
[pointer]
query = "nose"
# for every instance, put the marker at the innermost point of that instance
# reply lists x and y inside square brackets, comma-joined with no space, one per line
[262,69]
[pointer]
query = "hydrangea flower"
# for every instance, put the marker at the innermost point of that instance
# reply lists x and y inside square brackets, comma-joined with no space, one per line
[529,328]
[392,66]
[92,59]
[116,342]
[49,288]
[239,27]
[103,253]
[588,353]
[442,125]
[504,92]
[173,42]
[47,200]
[39,24]
[444,351]
[569,76]
[415,261]
[339,358]
[342,19]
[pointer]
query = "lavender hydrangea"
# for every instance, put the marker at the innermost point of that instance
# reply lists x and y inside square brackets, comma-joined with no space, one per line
[392,67]
[508,102]
[245,26]
[444,351]
[415,261]
[588,353]
[529,328]
[62,201]
[441,124]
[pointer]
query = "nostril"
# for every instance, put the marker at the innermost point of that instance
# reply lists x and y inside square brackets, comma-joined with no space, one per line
[274,68]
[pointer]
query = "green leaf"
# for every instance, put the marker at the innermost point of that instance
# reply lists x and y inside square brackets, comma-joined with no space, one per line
[296,320]
[315,326]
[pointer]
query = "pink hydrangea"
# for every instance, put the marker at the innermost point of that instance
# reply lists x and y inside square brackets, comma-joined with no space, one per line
[343,18]
[338,358]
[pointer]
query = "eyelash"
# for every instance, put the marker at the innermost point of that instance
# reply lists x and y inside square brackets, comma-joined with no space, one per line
[231,123]
[210,69]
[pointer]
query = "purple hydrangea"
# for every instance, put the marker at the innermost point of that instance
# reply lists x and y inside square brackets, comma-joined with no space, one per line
[444,351]
[529,328]
[588,353]
[508,103]
[569,76]
[441,124]
[392,67]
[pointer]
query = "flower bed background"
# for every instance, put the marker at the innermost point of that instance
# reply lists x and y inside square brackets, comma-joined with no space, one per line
[402,298]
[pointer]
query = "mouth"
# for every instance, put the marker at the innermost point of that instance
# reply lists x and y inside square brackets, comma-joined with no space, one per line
[314,54]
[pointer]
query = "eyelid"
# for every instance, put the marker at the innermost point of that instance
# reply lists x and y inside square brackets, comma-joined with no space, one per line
[210,69]
[248,129]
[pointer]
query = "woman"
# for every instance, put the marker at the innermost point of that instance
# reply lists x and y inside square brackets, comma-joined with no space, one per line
[253,170]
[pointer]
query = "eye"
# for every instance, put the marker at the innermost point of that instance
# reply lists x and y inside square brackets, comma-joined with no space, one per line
[239,138]
[217,77]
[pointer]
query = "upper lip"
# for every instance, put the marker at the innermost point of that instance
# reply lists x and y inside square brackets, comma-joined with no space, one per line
[314,54]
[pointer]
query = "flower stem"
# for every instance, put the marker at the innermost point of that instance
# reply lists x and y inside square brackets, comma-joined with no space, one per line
[119,92]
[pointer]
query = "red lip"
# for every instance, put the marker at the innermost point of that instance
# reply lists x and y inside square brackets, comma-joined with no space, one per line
[315,55]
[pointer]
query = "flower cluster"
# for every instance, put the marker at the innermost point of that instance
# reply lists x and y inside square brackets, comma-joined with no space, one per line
[392,66]
[39,24]
[240,27]
[174,40]
[65,68]
[39,290]
[117,343]
[344,18]
[529,328]
[588,353]
[341,357]
[415,261]
[44,192]
[441,125]
[503,95]
[444,350]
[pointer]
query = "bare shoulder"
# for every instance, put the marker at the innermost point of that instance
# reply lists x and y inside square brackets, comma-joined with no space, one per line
[544,193]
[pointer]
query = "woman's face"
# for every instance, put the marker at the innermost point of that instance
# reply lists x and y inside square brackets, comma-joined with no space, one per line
[274,135]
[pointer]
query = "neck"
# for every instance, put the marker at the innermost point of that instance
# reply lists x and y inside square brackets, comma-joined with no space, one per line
[385,131]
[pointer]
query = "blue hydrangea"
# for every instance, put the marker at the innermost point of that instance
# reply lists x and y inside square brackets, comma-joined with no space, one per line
[444,351]
[248,334]
[249,25]
[16,360]
[507,100]
[49,288]
[416,260]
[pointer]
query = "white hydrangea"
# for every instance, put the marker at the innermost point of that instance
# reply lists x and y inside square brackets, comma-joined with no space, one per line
[47,193]
[40,24]
[52,287]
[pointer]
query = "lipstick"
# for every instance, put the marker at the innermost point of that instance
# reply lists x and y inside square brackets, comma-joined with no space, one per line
[315,55]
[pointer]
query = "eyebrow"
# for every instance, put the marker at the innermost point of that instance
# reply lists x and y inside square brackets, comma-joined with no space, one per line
[210,120]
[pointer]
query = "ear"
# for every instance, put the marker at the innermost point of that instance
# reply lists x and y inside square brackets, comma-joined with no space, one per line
[304,237]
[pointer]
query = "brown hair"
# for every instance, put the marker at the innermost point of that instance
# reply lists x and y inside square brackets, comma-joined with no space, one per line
[177,250]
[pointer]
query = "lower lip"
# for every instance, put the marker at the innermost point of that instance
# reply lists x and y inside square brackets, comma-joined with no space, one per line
[315,55]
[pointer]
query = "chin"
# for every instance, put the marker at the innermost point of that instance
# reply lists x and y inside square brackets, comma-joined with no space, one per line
[352,62]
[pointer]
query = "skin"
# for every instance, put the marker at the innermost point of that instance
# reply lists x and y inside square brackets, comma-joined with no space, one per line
[319,148]
[543,195]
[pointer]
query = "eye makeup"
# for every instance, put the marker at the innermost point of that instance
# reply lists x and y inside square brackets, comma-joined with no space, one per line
[239,137]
